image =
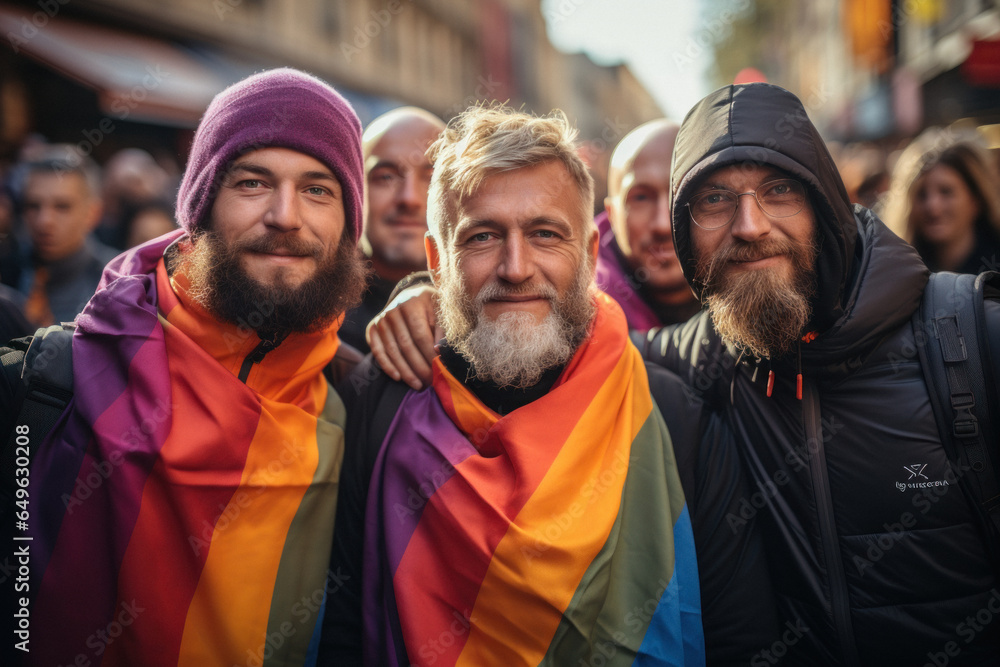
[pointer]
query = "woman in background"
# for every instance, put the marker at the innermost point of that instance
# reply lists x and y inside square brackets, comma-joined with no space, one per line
[945,200]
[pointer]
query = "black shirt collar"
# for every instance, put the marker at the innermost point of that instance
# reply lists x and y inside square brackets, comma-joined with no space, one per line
[502,400]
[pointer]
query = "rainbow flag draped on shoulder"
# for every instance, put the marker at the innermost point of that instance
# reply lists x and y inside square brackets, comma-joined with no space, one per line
[557,534]
[181,516]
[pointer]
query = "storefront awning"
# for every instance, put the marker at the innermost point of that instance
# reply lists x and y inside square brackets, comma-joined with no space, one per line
[136,78]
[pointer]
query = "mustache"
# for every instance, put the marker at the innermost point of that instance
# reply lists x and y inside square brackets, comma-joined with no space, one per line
[495,290]
[751,252]
[272,242]
[708,273]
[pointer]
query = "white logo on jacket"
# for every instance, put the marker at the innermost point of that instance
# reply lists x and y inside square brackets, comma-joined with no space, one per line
[916,471]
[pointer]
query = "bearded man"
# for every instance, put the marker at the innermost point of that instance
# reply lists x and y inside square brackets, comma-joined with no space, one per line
[528,506]
[181,510]
[808,350]
[807,346]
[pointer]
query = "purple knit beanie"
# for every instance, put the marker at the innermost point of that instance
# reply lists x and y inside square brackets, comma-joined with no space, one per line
[282,108]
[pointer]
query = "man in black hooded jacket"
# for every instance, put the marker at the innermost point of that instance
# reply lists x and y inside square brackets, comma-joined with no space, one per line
[805,344]
[806,349]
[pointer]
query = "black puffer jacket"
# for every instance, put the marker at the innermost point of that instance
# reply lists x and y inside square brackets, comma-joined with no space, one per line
[876,556]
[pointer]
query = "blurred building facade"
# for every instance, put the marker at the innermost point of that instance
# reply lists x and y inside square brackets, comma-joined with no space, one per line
[105,74]
[872,69]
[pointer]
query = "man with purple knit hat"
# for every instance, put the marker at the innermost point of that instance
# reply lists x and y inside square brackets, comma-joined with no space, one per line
[181,510]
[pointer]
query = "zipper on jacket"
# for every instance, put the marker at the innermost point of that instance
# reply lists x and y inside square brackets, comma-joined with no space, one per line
[257,354]
[839,599]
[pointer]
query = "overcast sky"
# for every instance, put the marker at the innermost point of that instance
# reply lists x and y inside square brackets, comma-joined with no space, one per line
[661,40]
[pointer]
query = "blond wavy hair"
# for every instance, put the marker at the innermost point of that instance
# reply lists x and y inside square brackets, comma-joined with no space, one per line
[482,141]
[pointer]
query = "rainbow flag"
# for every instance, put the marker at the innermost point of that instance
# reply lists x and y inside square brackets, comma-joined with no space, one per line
[180,516]
[557,534]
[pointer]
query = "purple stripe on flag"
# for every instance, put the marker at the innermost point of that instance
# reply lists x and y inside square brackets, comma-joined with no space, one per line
[87,495]
[402,482]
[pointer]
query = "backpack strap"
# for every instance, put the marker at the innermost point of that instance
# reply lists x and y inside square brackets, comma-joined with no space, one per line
[955,358]
[45,390]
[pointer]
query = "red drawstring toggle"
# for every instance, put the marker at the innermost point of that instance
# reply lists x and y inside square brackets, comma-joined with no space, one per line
[770,383]
[798,386]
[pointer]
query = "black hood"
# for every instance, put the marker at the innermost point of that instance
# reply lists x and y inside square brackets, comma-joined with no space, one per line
[762,124]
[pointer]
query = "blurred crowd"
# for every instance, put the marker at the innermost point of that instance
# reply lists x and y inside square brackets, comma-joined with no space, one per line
[63,216]
[940,192]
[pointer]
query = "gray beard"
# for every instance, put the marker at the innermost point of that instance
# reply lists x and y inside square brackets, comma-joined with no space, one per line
[514,350]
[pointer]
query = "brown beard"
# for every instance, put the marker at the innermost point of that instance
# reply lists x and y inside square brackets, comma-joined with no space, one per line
[756,310]
[514,350]
[221,284]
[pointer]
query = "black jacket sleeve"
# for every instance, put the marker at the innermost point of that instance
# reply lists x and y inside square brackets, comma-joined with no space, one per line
[371,399]
[695,352]
[739,615]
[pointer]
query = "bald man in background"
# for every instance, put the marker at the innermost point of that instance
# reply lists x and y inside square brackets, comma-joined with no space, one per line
[637,265]
[397,174]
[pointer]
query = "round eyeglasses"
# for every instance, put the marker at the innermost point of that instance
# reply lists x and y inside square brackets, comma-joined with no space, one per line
[714,209]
